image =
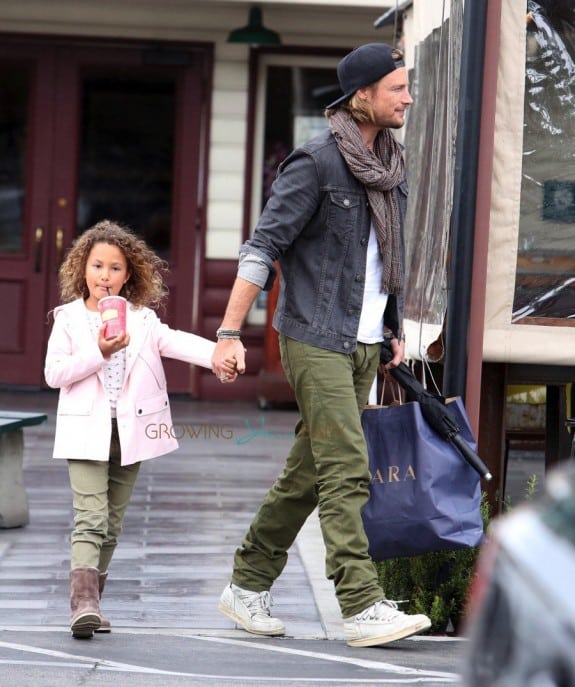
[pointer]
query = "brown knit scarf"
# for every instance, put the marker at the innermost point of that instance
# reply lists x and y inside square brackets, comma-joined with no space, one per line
[380,172]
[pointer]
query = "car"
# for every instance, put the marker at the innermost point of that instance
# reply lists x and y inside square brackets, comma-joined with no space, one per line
[520,623]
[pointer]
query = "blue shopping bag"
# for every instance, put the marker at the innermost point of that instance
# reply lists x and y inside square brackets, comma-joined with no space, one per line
[423,495]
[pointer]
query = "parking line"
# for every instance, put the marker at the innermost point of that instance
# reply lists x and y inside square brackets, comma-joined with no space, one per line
[360,662]
[409,675]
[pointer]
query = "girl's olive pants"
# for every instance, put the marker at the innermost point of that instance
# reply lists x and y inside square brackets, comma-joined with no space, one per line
[101,493]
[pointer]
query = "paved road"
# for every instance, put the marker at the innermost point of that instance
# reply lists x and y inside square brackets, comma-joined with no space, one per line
[169,657]
[188,514]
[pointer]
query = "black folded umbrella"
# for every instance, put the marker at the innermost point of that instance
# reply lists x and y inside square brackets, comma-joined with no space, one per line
[434,411]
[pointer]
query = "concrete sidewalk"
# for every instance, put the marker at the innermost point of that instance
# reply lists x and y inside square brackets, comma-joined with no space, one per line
[189,512]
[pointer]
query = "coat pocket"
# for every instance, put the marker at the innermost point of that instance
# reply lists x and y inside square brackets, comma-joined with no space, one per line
[74,404]
[153,404]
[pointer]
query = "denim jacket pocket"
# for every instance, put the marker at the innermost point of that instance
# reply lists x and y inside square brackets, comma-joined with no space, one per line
[343,210]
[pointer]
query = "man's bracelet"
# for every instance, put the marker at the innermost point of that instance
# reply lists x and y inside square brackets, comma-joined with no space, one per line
[228,333]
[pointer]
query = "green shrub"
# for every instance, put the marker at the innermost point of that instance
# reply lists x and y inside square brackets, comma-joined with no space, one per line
[436,583]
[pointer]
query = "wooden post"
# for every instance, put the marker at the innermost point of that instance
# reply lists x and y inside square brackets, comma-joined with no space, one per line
[491,435]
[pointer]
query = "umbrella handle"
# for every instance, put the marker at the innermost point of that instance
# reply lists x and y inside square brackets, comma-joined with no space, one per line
[470,456]
[451,427]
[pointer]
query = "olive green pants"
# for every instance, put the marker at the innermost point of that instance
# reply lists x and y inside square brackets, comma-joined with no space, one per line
[101,493]
[328,467]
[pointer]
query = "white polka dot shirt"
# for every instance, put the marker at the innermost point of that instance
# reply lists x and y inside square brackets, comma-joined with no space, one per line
[114,367]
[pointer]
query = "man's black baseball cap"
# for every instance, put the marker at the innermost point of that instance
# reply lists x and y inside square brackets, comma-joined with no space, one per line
[363,66]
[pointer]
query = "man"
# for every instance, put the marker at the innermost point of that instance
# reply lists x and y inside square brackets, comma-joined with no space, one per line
[334,222]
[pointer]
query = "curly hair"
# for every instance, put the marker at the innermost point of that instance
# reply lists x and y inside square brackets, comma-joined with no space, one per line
[145,287]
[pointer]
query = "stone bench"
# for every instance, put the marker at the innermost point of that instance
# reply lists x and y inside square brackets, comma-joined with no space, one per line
[13,499]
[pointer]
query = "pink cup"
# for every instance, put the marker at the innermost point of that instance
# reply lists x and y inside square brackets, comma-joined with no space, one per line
[113,312]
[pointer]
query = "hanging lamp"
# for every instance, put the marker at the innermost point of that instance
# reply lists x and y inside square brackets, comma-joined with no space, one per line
[255,33]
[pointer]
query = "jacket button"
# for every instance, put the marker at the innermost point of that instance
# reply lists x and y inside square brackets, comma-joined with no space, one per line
[346,344]
[346,202]
[139,411]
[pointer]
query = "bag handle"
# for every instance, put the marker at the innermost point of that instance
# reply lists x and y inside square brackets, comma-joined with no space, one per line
[426,367]
[395,391]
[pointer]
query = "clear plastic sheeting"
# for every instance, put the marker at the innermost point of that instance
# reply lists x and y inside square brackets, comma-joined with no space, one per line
[545,283]
[430,158]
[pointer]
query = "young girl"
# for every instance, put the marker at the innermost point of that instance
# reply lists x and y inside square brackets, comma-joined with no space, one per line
[110,390]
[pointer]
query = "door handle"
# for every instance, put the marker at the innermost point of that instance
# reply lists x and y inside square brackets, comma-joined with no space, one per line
[38,236]
[59,246]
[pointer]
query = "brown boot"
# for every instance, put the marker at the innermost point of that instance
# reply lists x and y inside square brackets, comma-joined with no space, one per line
[84,602]
[106,625]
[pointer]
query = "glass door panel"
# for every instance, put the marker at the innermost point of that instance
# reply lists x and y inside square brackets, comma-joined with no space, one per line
[126,154]
[295,98]
[14,87]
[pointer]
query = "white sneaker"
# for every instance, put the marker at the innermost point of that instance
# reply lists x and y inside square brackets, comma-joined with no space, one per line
[251,610]
[382,623]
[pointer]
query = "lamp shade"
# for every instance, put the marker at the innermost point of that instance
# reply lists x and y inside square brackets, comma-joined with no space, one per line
[255,33]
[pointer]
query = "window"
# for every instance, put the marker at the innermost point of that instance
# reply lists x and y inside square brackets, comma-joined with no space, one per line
[545,279]
[294,93]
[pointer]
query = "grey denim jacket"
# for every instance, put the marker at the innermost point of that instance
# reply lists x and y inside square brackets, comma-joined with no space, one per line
[316,225]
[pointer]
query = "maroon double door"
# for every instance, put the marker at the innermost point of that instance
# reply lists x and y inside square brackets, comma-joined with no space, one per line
[91,131]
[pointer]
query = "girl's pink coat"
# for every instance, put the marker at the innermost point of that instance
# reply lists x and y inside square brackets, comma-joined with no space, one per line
[74,364]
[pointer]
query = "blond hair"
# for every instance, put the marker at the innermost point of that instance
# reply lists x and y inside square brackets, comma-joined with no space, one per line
[359,109]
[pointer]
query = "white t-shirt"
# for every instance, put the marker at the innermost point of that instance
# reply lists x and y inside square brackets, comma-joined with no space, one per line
[374,300]
[114,367]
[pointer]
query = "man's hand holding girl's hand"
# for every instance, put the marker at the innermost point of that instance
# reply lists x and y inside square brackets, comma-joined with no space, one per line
[228,360]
